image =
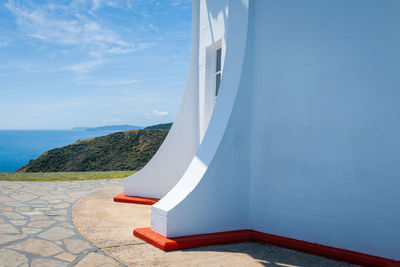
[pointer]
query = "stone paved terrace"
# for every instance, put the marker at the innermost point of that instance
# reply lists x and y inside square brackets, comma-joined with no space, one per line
[36,227]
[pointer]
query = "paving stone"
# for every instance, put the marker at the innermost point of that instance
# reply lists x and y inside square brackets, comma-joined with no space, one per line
[22,209]
[13,185]
[95,259]
[23,197]
[67,225]
[76,246]
[7,208]
[4,199]
[38,202]
[9,238]
[9,258]
[57,233]
[48,197]
[15,204]
[6,228]
[18,222]
[39,247]
[39,217]
[27,230]
[12,215]
[66,256]
[56,212]
[47,263]
[30,213]
[37,206]
[62,206]
[42,224]
[55,201]
[60,218]
[43,208]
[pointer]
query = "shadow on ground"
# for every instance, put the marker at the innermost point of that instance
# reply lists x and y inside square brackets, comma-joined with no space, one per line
[109,226]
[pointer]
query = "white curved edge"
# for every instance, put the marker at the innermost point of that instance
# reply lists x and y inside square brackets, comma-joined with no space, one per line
[169,163]
[179,212]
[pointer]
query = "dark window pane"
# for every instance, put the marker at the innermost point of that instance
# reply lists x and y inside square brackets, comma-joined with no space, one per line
[217,82]
[218,66]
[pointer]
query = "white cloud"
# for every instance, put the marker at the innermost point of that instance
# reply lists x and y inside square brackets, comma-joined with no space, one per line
[151,26]
[100,82]
[33,68]
[156,113]
[115,120]
[176,3]
[181,2]
[116,82]
[160,113]
[96,4]
[84,67]
[120,50]
[64,26]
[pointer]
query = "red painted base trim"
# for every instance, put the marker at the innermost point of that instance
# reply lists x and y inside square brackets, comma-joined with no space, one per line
[193,241]
[136,200]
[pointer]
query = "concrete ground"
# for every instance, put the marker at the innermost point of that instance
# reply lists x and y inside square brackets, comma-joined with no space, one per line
[109,225]
[36,227]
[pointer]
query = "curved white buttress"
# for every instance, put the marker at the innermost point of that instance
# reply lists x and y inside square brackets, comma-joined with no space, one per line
[171,160]
[202,189]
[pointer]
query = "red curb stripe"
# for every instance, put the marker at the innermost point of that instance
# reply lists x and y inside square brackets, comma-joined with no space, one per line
[136,200]
[193,241]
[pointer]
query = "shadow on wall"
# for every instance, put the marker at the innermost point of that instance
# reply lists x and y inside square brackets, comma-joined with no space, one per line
[215,11]
[218,9]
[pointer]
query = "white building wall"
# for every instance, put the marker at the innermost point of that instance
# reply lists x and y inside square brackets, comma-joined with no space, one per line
[326,123]
[303,141]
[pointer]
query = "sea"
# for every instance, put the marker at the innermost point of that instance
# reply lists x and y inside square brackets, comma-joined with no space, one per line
[18,147]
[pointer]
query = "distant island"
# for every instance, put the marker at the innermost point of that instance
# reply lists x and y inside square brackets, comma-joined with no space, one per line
[124,127]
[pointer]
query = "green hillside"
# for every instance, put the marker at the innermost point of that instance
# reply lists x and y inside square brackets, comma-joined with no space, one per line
[164,126]
[122,151]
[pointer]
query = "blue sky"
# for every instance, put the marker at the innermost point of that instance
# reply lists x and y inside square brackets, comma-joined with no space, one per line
[74,63]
